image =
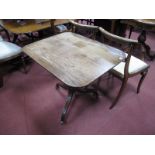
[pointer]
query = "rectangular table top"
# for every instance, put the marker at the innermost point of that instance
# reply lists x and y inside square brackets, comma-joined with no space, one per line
[74,59]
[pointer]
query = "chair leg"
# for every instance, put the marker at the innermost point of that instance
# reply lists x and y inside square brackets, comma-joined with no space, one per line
[1,81]
[143,75]
[110,81]
[120,93]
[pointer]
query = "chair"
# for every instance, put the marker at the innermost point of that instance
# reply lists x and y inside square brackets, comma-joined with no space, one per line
[58,28]
[8,51]
[89,31]
[87,21]
[130,67]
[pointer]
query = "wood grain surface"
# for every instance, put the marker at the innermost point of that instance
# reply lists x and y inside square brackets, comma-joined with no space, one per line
[75,60]
[30,26]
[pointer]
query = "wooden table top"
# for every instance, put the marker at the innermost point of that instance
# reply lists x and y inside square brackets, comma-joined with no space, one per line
[30,26]
[75,60]
[145,24]
[146,21]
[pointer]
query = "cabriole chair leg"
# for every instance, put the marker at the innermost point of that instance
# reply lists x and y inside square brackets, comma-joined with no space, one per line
[120,93]
[143,75]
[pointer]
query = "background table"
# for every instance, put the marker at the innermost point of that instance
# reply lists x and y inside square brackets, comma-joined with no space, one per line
[29,26]
[144,25]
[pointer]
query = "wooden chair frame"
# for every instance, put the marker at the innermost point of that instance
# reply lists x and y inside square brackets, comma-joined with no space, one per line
[89,31]
[130,43]
[8,59]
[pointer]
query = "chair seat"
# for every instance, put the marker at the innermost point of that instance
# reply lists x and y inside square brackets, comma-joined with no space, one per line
[1,39]
[135,66]
[61,28]
[8,50]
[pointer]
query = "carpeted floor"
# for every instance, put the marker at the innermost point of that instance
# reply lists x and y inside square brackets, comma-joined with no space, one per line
[30,104]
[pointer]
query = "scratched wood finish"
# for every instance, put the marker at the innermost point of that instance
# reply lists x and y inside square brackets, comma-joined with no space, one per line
[31,26]
[75,60]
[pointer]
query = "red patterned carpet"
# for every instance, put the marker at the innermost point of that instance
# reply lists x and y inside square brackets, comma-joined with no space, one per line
[30,104]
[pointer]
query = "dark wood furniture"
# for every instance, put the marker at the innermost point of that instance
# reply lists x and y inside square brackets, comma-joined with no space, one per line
[75,60]
[9,51]
[144,25]
[111,25]
[89,31]
[130,67]
[30,26]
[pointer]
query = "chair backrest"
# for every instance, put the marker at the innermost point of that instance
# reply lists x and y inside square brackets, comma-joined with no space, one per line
[115,40]
[89,31]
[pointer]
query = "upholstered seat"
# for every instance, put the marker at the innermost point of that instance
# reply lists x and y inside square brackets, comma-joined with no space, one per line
[1,39]
[60,28]
[8,50]
[136,65]
[131,66]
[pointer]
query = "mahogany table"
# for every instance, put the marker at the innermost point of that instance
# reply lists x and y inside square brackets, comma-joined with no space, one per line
[30,25]
[75,60]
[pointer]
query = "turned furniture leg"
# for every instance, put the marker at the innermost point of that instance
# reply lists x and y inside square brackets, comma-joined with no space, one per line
[67,104]
[120,93]
[143,75]
[142,39]
[69,98]
[71,93]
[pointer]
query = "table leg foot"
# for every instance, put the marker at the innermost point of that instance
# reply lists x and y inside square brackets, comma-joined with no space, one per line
[142,39]
[71,93]
[67,104]
[147,50]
